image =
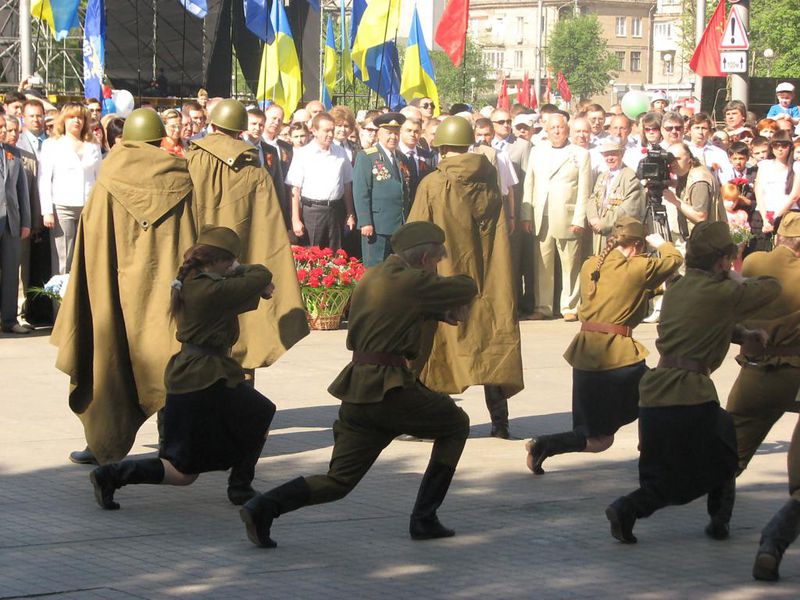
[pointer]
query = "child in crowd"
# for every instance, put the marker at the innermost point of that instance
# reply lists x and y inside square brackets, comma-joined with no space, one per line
[738,221]
[759,150]
[785,108]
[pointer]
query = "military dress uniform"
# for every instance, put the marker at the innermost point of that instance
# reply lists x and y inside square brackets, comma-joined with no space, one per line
[381,397]
[688,444]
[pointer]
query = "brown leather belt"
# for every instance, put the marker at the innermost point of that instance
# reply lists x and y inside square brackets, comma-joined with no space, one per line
[383,359]
[782,351]
[607,328]
[682,362]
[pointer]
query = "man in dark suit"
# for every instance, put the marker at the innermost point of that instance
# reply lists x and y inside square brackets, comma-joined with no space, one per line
[272,127]
[270,159]
[380,189]
[414,156]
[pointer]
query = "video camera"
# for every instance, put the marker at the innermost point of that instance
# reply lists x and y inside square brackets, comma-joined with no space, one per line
[653,171]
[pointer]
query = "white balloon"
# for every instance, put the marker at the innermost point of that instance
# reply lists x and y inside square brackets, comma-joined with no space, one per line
[124,102]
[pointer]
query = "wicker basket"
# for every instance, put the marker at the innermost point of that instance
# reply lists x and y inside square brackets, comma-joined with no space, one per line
[324,323]
[325,306]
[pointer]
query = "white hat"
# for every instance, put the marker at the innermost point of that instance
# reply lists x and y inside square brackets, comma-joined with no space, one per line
[784,87]
[527,119]
[611,144]
[487,111]
[659,95]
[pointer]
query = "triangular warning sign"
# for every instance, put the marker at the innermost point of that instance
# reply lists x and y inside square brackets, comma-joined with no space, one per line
[734,36]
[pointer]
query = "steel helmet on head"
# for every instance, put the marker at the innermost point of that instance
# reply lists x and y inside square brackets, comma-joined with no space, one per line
[229,114]
[143,125]
[454,131]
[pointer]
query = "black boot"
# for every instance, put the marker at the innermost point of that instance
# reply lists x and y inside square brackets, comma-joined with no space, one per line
[258,514]
[241,477]
[720,508]
[424,524]
[622,516]
[776,537]
[83,457]
[549,445]
[109,478]
[497,403]
[160,427]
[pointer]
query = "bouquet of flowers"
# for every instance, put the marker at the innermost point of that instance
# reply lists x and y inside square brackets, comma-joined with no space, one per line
[327,279]
[55,288]
[741,234]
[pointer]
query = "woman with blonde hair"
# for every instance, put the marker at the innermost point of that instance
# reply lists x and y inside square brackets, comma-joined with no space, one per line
[172,142]
[69,164]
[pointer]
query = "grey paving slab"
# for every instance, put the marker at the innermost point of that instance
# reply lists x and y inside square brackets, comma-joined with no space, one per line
[519,536]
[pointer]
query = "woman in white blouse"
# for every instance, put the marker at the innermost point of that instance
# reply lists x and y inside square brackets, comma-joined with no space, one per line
[69,164]
[772,181]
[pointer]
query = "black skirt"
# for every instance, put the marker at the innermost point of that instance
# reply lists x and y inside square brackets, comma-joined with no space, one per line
[686,451]
[604,401]
[214,428]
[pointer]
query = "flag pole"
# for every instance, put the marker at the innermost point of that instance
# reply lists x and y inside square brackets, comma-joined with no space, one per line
[138,57]
[383,52]
[464,69]
[323,44]
[183,57]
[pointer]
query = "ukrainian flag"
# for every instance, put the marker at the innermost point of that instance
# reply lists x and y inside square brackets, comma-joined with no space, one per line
[419,80]
[377,25]
[60,15]
[329,70]
[279,79]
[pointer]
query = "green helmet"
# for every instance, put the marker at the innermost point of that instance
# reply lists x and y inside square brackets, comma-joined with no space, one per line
[229,114]
[454,131]
[143,125]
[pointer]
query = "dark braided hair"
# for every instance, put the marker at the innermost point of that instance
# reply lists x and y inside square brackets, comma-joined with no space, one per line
[194,259]
[613,241]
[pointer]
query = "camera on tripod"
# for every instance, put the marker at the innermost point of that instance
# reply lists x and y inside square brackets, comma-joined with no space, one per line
[653,171]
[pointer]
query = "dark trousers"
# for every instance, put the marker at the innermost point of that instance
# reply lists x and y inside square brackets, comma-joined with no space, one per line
[362,431]
[497,403]
[522,259]
[375,249]
[324,224]
[9,273]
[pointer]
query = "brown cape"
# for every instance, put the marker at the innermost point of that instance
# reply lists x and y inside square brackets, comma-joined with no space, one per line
[113,333]
[233,190]
[462,197]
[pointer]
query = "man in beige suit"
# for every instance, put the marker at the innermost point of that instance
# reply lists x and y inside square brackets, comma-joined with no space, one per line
[557,187]
[617,192]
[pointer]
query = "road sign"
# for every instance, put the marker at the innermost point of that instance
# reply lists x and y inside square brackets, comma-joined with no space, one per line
[733,61]
[734,36]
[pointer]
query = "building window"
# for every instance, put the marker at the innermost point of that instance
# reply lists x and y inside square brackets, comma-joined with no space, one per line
[668,63]
[517,59]
[493,59]
[620,60]
[636,27]
[636,61]
[520,27]
[621,26]
[663,31]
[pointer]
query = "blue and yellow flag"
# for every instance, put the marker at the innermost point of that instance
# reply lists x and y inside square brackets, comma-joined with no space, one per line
[419,80]
[378,24]
[60,15]
[279,79]
[329,70]
[94,49]
[257,18]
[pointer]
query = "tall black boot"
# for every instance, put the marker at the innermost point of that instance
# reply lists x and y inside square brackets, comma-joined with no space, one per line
[240,480]
[497,404]
[621,514]
[258,513]
[720,508]
[109,478]
[424,524]
[160,427]
[541,447]
[776,537]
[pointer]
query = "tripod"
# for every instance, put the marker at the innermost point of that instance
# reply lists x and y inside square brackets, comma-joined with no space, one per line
[655,220]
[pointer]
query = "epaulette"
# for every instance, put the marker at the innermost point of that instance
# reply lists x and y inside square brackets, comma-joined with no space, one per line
[370,150]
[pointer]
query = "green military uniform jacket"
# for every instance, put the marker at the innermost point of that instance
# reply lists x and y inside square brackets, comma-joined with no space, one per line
[209,319]
[697,321]
[621,299]
[380,188]
[625,198]
[113,333]
[462,197]
[781,317]
[233,190]
[387,311]
[700,190]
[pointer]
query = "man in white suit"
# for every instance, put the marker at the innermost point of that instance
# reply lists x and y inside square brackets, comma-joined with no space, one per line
[557,186]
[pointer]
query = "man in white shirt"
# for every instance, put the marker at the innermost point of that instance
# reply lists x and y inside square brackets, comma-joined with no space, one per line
[507,177]
[620,128]
[322,194]
[596,115]
[501,121]
[713,157]
[581,135]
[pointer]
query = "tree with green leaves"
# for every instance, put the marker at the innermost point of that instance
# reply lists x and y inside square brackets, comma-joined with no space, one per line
[577,47]
[466,83]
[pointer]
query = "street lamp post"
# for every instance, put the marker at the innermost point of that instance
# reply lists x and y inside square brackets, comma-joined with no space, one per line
[668,67]
[769,54]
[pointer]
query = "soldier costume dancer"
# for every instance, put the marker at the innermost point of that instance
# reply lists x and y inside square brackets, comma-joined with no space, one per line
[380,189]
[113,334]
[463,198]
[768,384]
[381,397]
[212,419]
[607,363]
[688,444]
[232,190]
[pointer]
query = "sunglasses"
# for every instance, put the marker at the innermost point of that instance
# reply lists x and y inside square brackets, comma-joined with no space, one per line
[673,128]
[501,121]
[781,144]
[652,129]
[427,105]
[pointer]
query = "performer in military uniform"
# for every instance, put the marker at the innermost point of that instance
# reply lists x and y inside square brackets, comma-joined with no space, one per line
[688,444]
[769,381]
[380,188]
[462,197]
[212,420]
[113,333]
[607,363]
[381,397]
[232,190]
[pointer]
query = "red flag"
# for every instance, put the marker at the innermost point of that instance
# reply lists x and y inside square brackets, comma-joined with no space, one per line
[451,32]
[523,95]
[502,97]
[706,57]
[534,103]
[548,90]
[563,87]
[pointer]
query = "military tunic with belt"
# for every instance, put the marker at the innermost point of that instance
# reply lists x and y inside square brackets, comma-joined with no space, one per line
[614,195]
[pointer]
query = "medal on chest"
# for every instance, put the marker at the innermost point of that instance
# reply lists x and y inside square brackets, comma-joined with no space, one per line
[380,171]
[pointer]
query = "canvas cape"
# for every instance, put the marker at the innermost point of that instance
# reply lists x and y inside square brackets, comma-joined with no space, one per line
[463,198]
[113,332]
[233,190]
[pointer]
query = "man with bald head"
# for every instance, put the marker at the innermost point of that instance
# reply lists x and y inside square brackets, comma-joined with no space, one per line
[314,108]
[501,120]
[412,112]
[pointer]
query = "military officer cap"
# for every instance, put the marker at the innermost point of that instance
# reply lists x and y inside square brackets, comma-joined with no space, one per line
[790,225]
[391,119]
[220,237]
[229,114]
[709,239]
[611,144]
[143,125]
[629,227]
[416,234]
